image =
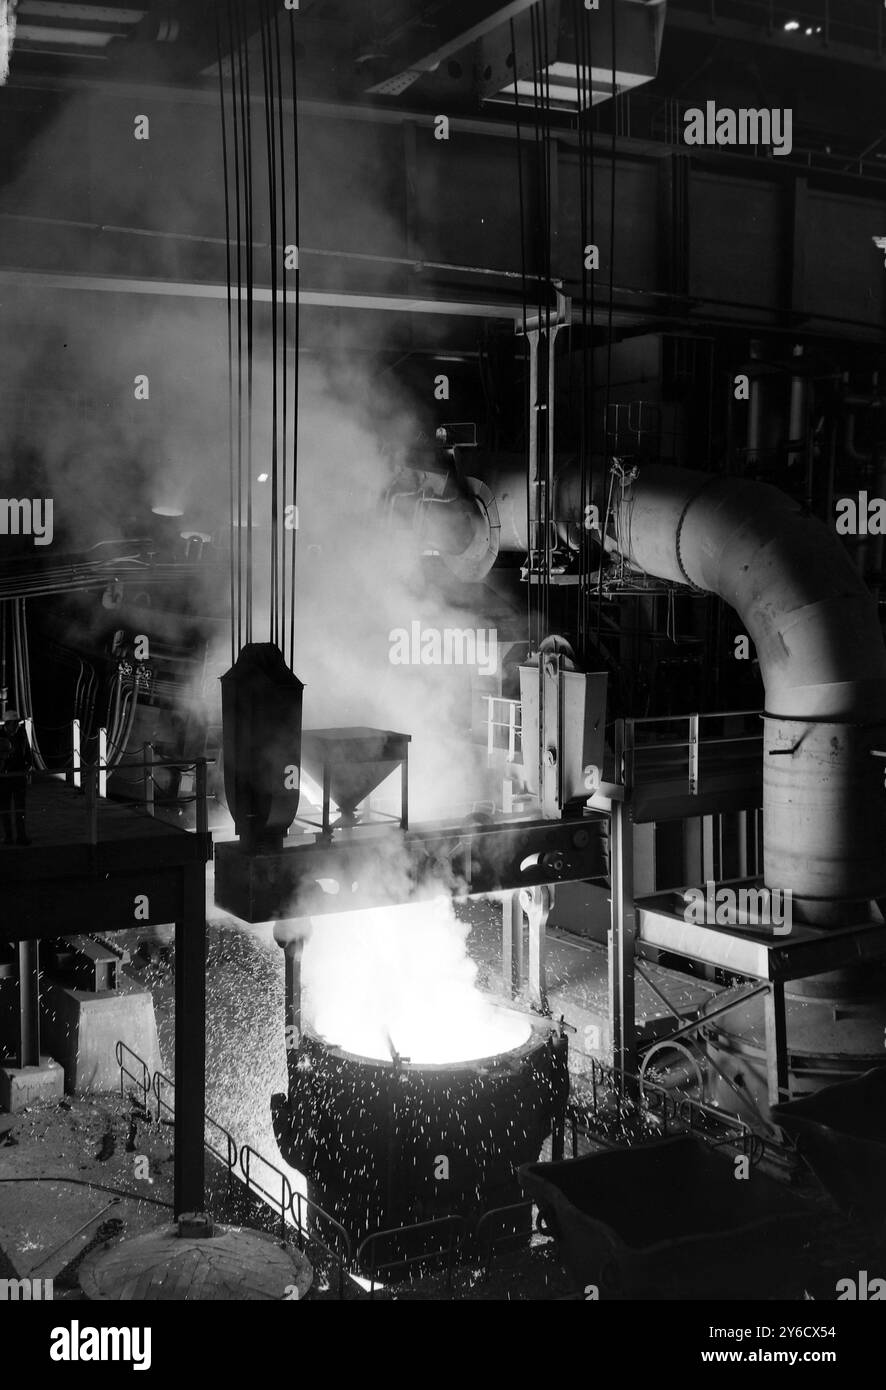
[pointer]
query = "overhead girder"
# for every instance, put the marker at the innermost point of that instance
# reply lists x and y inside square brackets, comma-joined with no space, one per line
[700,238]
[439,32]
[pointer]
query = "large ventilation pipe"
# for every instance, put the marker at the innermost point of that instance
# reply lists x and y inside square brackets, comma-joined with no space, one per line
[822,658]
[817,637]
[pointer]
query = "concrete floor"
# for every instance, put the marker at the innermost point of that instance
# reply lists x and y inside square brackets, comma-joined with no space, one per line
[97,1139]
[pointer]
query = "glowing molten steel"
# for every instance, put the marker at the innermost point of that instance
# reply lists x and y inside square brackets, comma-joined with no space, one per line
[399,980]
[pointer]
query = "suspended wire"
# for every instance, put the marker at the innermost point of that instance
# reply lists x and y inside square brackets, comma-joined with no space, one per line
[539,540]
[271,152]
[293,532]
[528,403]
[237,521]
[246,108]
[230,344]
[275,32]
[550,333]
[613,161]
[588,494]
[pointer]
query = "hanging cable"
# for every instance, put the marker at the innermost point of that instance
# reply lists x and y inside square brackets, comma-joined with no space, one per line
[237,517]
[538,543]
[284,441]
[238,90]
[613,160]
[246,108]
[230,346]
[293,532]
[528,404]
[585,122]
[271,152]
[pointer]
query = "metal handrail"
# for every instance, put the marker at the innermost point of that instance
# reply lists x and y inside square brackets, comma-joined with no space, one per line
[461,1231]
[144,1082]
[344,1258]
[451,1223]
[678,718]
[247,1154]
[155,1085]
[706,743]
[491,1244]
[672,1107]
[230,1157]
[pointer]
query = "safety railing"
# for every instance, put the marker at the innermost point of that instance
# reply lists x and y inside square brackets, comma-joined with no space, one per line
[516,1214]
[687,747]
[229,1155]
[143,1080]
[454,1230]
[307,1217]
[503,714]
[340,1255]
[451,1240]
[622,1106]
[281,1202]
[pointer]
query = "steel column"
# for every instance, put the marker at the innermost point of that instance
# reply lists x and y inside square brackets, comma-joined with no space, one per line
[292,956]
[190,1042]
[537,903]
[512,966]
[622,1025]
[777,1070]
[28,1052]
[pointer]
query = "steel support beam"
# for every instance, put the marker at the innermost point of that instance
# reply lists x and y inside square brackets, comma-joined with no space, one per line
[463,26]
[537,904]
[484,858]
[622,1025]
[512,963]
[190,1043]
[777,1067]
[28,1051]
[388,303]
[292,955]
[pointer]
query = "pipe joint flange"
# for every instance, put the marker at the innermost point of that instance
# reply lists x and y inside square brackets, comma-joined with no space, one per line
[696,588]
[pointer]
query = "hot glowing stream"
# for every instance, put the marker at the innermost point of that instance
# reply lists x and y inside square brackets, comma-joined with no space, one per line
[401,978]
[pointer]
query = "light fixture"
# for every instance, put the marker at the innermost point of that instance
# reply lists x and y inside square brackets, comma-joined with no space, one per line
[792,24]
[262,477]
[167,511]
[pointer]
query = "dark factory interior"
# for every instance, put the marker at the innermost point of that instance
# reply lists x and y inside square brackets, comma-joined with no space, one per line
[442,663]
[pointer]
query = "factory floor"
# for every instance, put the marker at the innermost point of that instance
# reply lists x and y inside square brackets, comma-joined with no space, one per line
[95,1140]
[74,1170]
[85,1145]
[69,1172]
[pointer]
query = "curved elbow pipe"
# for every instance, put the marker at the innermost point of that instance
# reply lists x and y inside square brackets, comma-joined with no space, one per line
[822,658]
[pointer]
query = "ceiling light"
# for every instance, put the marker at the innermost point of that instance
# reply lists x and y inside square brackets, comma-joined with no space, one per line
[792,24]
[262,477]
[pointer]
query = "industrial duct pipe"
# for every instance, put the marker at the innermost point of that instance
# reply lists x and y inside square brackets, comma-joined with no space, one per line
[822,658]
[818,640]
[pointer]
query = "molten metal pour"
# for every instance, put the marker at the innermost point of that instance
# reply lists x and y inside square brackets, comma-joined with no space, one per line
[397,982]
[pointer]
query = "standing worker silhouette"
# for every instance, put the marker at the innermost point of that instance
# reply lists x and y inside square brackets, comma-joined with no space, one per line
[16,761]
